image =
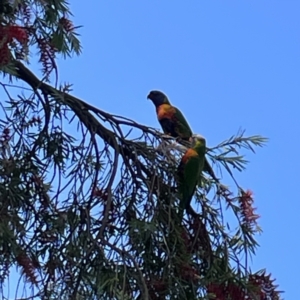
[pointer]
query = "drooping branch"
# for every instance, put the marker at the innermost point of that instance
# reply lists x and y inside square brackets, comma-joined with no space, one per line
[147,221]
[80,108]
[83,110]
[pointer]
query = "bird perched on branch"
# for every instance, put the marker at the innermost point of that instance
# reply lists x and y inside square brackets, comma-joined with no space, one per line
[190,169]
[174,123]
[170,118]
[188,173]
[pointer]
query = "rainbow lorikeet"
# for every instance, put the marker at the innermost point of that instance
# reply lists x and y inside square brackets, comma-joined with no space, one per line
[174,123]
[190,169]
[188,173]
[170,118]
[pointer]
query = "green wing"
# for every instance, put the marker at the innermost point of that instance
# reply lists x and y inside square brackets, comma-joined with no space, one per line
[188,178]
[182,127]
[189,171]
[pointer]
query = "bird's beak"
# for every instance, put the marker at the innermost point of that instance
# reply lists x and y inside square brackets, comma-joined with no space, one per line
[148,97]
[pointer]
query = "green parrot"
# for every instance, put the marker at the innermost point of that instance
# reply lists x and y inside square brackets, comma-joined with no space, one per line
[188,173]
[190,169]
[174,123]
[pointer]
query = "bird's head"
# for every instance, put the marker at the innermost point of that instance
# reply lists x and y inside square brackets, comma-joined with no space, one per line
[158,98]
[197,139]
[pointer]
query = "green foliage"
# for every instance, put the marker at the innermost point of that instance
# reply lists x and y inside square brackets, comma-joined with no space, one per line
[47,27]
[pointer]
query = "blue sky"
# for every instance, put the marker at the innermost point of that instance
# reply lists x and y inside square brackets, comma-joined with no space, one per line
[226,65]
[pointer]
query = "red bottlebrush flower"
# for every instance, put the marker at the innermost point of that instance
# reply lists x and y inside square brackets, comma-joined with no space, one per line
[66,24]
[235,292]
[265,285]
[157,288]
[17,32]
[47,54]
[159,285]
[7,34]
[4,54]
[185,236]
[246,201]
[10,32]
[99,193]
[27,267]
[217,291]
[228,291]
[189,273]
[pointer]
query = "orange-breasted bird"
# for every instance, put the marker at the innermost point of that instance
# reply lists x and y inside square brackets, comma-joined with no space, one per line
[190,169]
[174,123]
[170,118]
